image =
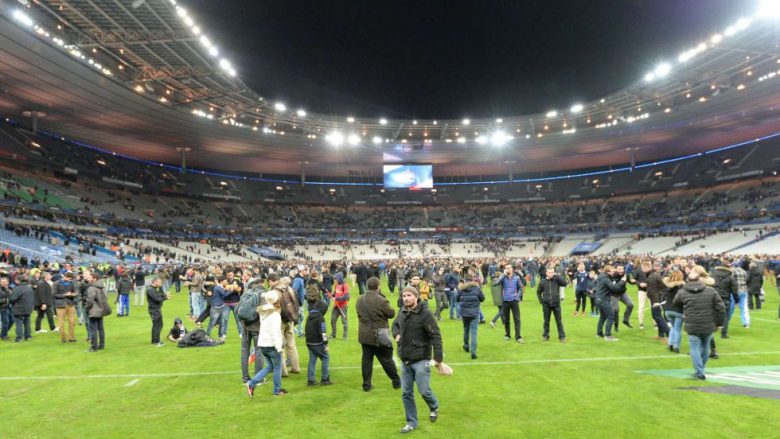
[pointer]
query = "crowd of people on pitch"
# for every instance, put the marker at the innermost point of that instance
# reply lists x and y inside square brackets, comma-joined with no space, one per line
[274,302]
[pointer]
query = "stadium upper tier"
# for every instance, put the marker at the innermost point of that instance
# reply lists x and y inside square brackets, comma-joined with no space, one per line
[144,80]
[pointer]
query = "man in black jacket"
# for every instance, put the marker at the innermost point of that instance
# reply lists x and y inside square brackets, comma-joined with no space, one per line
[5,308]
[606,286]
[22,301]
[549,294]
[373,311]
[417,333]
[703,310]
[156,298]
[726,287]
[44,302]
[621,296]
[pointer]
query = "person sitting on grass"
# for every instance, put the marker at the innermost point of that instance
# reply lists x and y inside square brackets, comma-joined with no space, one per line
[177,332]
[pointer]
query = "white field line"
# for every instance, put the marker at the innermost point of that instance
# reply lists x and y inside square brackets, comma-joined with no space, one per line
[133,383]
[765,320]
[470,364]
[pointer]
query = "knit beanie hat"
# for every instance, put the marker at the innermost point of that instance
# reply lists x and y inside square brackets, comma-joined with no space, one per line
[412,290]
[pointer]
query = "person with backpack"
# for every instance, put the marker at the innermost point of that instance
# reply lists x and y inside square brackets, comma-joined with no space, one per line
[469,297]
[317,341]
[22,302]
[250,320]
[340,303]
[290,314]
[270,343]
[156,296]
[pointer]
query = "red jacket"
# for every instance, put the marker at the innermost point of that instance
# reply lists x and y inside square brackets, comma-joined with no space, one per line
[341,294]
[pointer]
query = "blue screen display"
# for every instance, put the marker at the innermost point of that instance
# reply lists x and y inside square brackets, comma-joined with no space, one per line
[409,176]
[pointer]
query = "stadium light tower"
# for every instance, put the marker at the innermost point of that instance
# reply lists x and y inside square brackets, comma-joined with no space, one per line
[183,150]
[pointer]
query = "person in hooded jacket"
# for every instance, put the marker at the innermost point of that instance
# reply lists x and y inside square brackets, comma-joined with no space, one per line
[317,342]
[469,297]
[548,293]
[178,331]
[22,303]
[96,308]
[703,310]
[606,286]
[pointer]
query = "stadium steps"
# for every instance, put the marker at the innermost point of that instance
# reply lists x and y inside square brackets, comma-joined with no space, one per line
[751,243]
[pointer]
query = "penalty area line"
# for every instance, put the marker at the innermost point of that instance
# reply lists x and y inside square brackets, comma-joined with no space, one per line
[138,376]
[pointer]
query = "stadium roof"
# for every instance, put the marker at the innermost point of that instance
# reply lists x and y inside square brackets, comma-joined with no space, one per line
[141,78]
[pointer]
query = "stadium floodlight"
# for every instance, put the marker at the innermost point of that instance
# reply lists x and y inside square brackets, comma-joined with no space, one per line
[23,18]
[377,140]
[466,121]
[353,139]
[213,51]
[552,113]
[499,120]
[717,38]
[280,107]
[662,70]
[188,21]
[744,23]
[499,138]
[232,72]
[461,140]
[225,64]
[768,9]
[650,77]
[335,138]
[301,113]
[204,40]
[576,108]
[482,140]
[383,121]
[351,119]
[181,12]
[195,30]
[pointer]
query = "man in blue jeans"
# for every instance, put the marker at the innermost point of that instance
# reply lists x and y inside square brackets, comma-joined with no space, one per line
[740,277]
[703,309]
[416,332]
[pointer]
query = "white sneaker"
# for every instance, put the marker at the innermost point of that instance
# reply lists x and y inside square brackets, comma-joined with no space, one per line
[42,331]
[56,330]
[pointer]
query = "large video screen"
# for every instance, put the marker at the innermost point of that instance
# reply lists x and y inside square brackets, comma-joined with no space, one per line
[408,176]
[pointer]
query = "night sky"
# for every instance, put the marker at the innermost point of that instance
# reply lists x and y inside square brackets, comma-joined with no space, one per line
[451,59]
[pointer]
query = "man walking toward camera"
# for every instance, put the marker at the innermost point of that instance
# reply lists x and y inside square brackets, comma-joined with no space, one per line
[549,294]
[512,294]
[416,332]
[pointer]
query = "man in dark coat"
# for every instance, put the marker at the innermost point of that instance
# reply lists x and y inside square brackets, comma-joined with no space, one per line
[703,310]
[22,303]
[156,297]
[373,311]
[549,294]
[469,297]
[417,333]
[44,302]
[755,281]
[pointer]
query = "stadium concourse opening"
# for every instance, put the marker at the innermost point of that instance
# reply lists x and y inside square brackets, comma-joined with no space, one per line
[159,196]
